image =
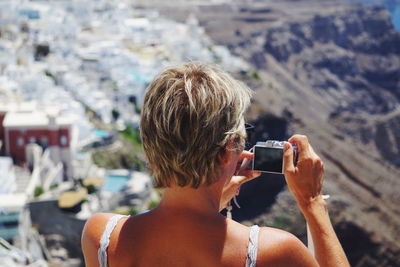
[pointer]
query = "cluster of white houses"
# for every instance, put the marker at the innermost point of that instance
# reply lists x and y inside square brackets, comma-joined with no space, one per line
[61,59]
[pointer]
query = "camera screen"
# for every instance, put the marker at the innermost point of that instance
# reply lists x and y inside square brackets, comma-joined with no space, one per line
[268,159]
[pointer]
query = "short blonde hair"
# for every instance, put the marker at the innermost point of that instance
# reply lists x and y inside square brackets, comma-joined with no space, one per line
[189,113]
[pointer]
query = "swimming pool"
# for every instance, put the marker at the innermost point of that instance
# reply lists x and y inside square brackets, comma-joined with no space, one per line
[115,182]
[100,133]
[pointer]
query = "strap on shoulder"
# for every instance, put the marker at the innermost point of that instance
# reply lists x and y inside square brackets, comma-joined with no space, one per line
[105,239]
[253,247]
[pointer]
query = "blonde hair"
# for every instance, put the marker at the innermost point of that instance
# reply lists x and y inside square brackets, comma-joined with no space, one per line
[189,113]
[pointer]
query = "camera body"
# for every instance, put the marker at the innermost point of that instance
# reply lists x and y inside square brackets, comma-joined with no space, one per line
[268,156]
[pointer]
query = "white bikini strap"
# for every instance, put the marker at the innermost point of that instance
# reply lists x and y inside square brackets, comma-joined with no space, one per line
[105,239]
[253,246]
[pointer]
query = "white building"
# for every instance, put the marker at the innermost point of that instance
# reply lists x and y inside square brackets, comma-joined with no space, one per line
[7,176]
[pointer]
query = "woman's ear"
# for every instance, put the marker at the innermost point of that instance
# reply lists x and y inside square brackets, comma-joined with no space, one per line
[229,153]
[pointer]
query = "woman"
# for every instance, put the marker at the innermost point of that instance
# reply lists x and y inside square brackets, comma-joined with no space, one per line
[193,134]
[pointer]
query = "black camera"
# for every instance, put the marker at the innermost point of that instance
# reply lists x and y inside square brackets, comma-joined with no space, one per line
[268,156]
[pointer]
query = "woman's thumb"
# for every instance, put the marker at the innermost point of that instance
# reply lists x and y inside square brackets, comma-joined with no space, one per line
[288,157]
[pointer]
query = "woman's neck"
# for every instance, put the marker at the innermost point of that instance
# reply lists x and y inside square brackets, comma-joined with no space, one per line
[204,199]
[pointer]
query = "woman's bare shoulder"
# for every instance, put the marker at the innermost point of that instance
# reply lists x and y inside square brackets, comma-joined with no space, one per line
[94,226]
[280,248]
[91,234]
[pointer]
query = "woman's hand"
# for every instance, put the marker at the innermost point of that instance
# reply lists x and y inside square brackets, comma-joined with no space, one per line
[306,178]
[305,182]
[242,174]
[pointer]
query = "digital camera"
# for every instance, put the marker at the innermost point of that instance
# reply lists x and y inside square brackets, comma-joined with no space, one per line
[268,156]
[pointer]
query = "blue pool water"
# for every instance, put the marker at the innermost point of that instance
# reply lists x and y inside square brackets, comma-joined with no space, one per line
[9,225]
[100,133]
[115,183]
[9,232]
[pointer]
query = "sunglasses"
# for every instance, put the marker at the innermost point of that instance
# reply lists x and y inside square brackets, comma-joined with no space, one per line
[249,130]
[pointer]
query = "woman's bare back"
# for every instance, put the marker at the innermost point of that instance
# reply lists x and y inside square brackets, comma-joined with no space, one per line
[179,238]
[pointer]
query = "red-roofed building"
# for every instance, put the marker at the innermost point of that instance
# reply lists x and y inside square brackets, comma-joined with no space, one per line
[52,132]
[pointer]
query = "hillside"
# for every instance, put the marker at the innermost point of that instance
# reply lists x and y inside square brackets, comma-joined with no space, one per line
[330,70]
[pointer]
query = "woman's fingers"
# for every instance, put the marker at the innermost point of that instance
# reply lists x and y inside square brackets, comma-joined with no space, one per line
[306,179]
[245,155]
[288,158]
[246,175]
[302,144]
[244,161]
[242,175]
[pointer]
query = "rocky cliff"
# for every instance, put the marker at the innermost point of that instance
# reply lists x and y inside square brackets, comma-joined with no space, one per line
[337,72]
[330,70]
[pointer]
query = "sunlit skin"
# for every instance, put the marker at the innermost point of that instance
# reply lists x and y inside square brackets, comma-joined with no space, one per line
[186,229]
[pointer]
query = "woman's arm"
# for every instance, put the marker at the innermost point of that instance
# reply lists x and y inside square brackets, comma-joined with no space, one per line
[91,234]
[328,250]
[243,175]
[305,183]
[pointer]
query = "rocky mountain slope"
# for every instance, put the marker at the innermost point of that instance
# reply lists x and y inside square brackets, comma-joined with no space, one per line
[337,73]
[330,70]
